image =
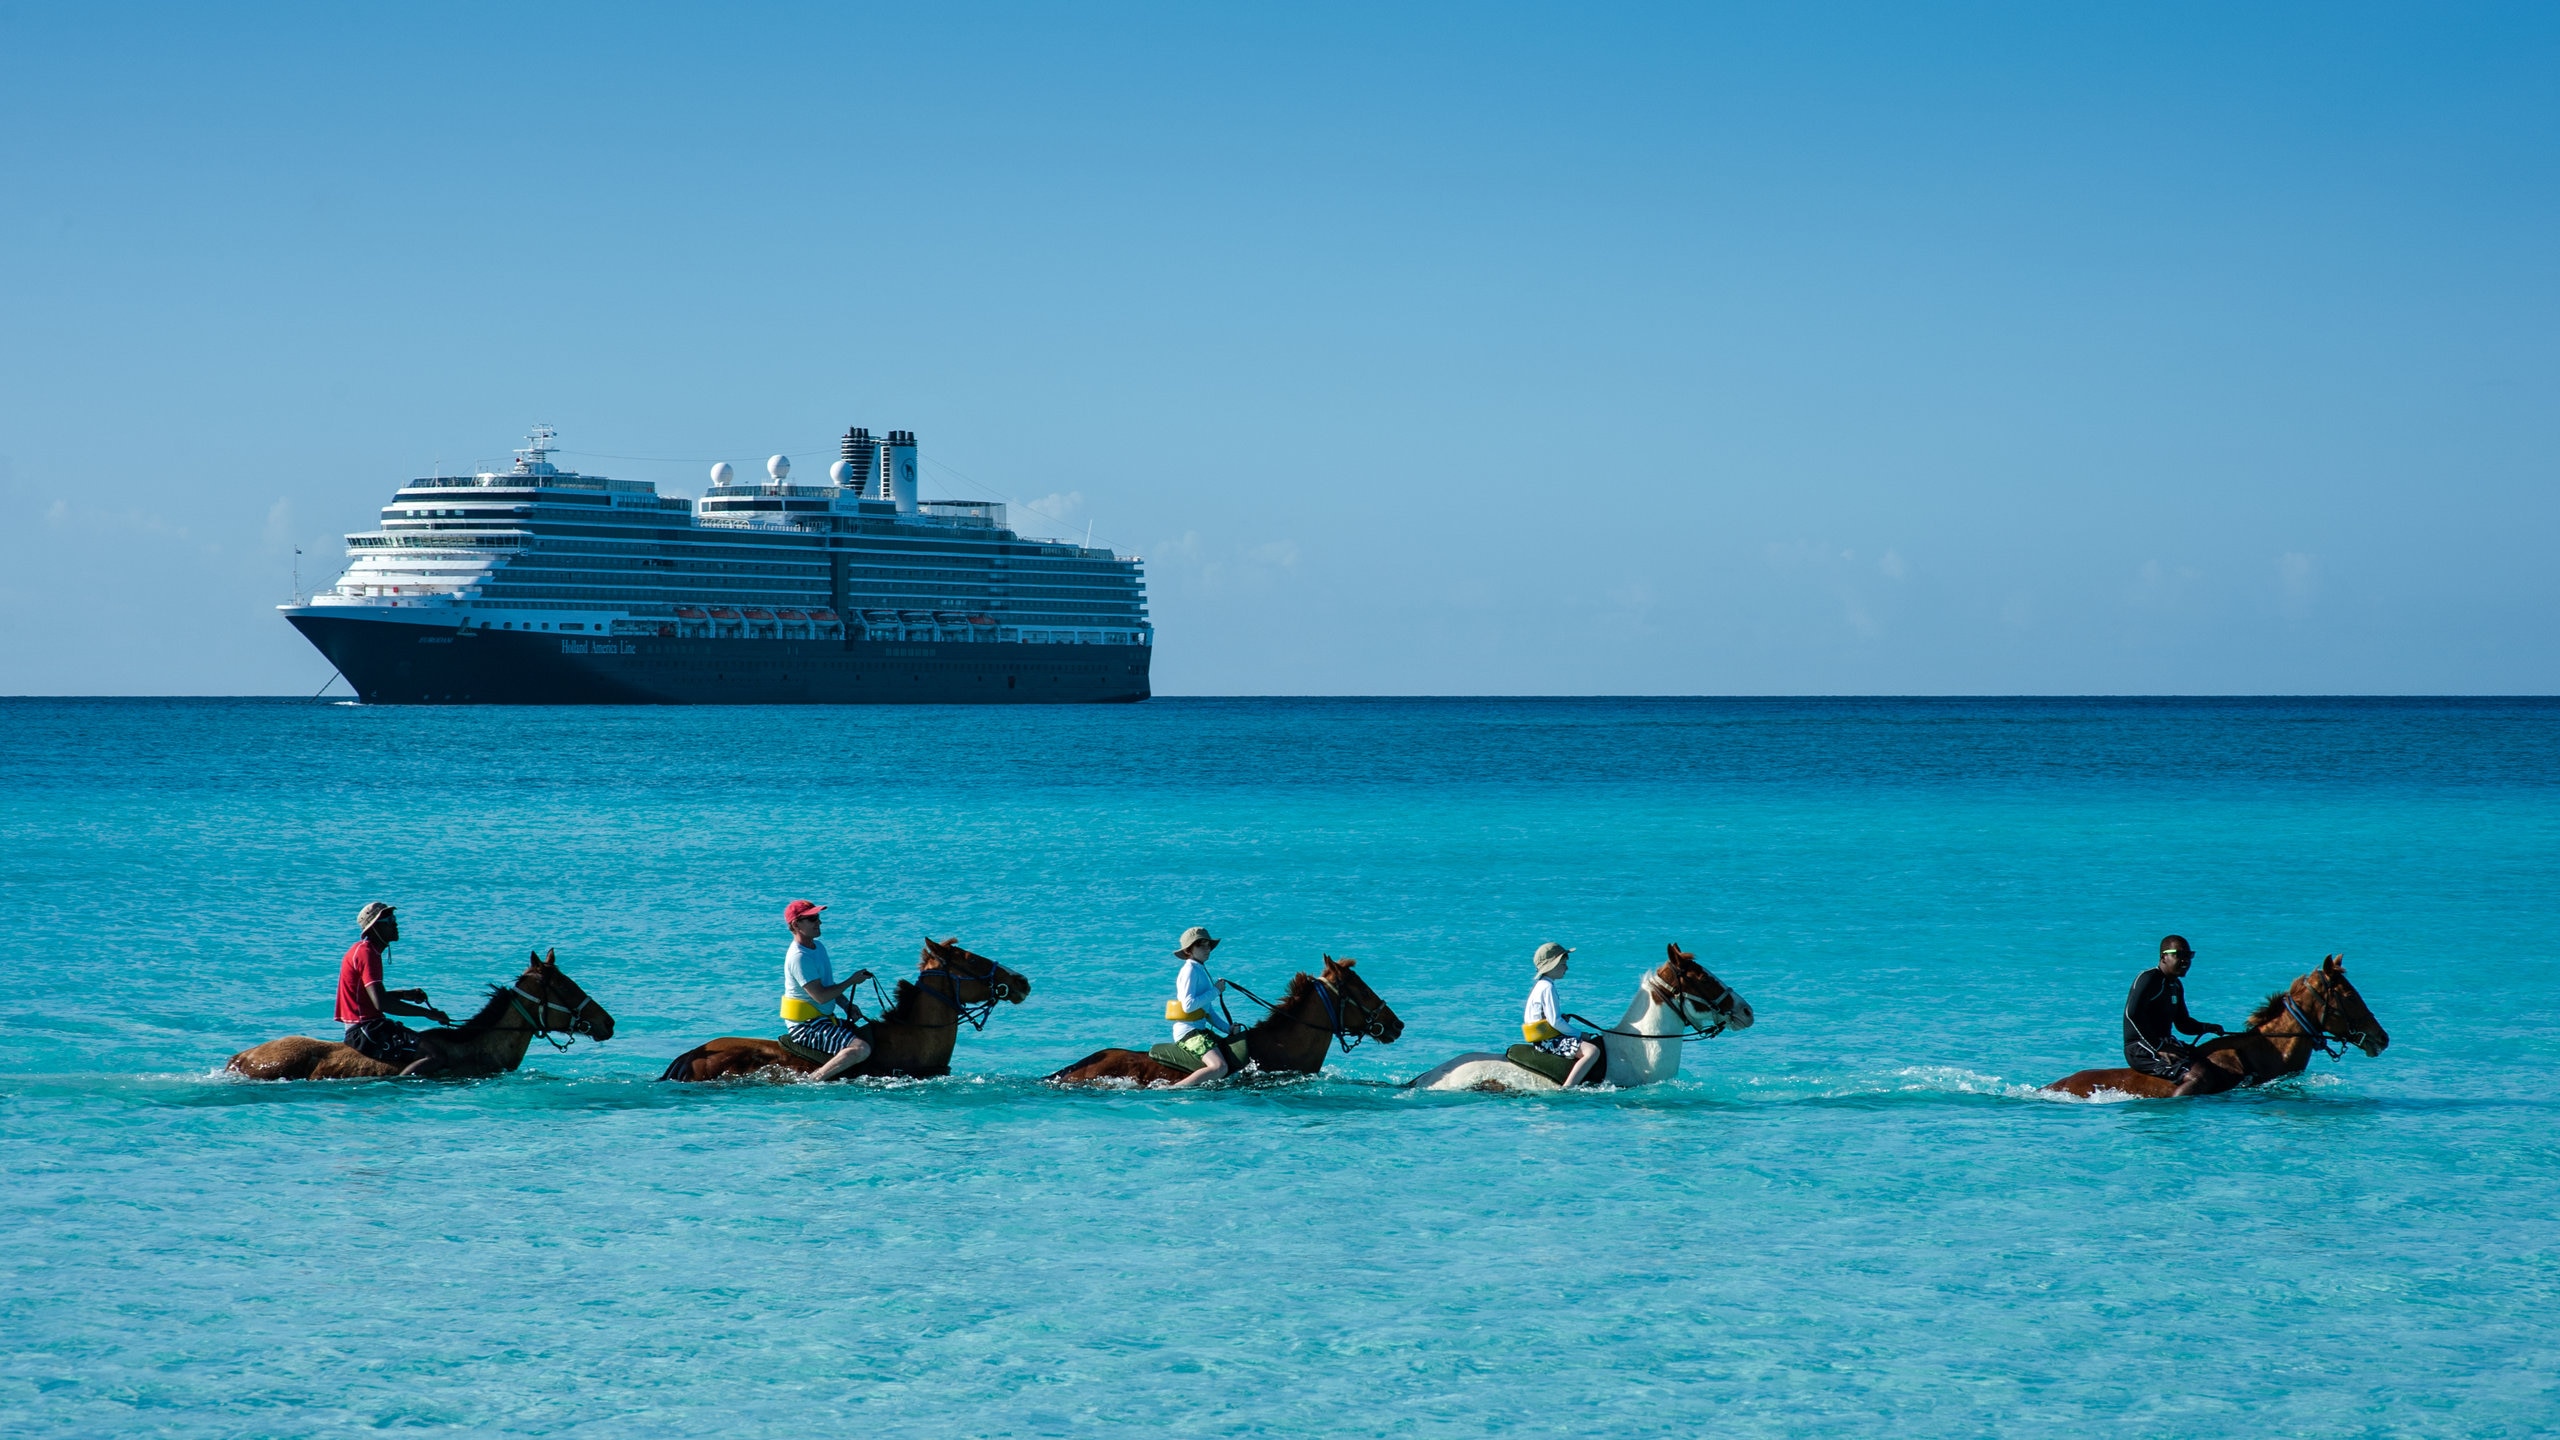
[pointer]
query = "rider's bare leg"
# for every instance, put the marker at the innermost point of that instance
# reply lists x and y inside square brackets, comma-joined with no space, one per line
[1583,1060]
[843,1060]
[1213,1066]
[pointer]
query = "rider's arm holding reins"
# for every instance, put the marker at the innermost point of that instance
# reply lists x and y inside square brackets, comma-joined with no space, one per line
[827,995]
[397,1002]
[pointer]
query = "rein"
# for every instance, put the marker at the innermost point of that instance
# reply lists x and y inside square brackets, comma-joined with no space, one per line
[1335,1030]
[1677,1005]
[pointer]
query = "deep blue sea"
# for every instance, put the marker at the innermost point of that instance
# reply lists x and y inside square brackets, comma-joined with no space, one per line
[1855,1218]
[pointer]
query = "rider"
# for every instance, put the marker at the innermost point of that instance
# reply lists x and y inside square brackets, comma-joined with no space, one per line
[1541,1026]
[2156,1005]
[1198,1026]
[809,987]
[365,1008]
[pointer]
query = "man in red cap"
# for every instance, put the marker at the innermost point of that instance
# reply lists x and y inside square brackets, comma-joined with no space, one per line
[809,987]
[365,1008]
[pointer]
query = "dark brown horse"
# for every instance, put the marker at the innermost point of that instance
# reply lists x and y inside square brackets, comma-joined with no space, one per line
[1294,1038]
[2295,1023]
[914,1038]
[542,1002]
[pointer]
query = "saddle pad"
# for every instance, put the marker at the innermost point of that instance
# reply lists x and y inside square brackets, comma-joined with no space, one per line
[1556,1067]
[1173,1055]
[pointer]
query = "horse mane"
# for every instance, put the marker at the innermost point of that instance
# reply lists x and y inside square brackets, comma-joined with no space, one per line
[480,1024]
[2273,1007]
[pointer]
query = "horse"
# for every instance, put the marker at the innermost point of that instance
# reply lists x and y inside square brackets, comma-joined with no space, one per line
[1642,1049]
[1313,1014]
[914,1037]
[541,1002]
[2306,1016]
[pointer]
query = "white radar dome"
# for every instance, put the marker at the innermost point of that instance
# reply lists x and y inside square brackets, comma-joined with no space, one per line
[779,467]
[841,472]
[721,474]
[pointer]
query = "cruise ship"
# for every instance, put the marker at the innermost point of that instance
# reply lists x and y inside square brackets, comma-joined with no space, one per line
[538,585]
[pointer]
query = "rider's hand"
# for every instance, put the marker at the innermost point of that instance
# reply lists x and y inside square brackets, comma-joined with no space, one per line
[439,1016]
[856,978]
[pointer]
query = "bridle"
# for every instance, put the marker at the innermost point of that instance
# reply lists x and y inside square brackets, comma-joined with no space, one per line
[975,1013]
[537,1011]
[2319,1034]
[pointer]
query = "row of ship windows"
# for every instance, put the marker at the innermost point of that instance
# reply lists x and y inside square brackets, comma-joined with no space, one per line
[636,547]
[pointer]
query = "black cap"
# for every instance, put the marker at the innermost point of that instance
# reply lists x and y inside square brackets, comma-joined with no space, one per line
[2176,945]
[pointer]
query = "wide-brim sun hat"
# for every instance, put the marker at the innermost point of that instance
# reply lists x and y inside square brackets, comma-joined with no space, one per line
[371,915]
[1550,959]
[1193,936]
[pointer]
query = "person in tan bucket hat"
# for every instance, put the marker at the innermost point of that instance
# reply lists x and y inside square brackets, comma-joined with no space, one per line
[1198,1028]
[1542,1025]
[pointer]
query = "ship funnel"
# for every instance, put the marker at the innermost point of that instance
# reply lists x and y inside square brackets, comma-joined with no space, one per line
[862,464]
[898,467]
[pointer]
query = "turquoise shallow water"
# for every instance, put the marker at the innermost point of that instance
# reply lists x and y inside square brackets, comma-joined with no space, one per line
[1852,1219]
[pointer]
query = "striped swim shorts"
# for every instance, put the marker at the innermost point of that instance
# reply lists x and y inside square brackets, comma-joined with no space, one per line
[826,1033]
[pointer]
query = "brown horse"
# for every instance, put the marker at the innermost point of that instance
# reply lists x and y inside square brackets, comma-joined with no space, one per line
[1294,1038]
[914,1038]
[542,1002]
[2283,1034]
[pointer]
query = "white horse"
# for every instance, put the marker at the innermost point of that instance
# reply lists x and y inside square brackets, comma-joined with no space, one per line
[1678,1000]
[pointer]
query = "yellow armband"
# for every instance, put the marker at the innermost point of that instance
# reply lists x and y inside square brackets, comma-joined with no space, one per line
[1534,1031]
[1173,1011]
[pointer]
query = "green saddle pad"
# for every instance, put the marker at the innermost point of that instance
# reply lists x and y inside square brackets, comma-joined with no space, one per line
[1556,1067]
[1180,1059]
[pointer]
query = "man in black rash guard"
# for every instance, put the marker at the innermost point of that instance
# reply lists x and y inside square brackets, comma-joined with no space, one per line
[2156,1005]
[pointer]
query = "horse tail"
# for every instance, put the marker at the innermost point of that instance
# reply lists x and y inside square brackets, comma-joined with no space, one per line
[681,1067]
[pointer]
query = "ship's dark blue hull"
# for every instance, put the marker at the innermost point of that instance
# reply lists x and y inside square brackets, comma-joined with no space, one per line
[408,664]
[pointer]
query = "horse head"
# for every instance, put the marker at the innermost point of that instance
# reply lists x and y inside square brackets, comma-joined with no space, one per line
[559,1002]
[1686,986]
[1363,1012]
[976,980]
[2334,1005]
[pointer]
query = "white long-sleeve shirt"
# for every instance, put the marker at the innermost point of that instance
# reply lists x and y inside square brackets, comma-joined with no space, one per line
[1195,993]
[1542,1005]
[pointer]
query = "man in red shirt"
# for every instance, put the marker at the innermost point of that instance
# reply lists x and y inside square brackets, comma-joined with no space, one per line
[365,1008]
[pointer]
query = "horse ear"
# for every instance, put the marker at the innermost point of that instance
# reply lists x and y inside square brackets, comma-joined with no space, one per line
[2334,964]
[551,958]
[533,959]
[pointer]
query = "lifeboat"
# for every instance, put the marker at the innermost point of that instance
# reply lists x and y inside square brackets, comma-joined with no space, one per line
[823,617]
[984,622]
[758,615]
[881,617]
[916,617]
[949,617]
[793,616]
[722,613]
[690,612]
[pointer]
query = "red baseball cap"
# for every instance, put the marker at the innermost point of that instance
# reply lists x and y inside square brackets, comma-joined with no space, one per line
[797,909]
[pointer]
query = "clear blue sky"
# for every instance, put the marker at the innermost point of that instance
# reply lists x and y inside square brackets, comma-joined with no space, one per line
[1877,349]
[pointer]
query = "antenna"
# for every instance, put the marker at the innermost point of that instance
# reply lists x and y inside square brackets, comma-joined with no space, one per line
[1088,534]
[296,596]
